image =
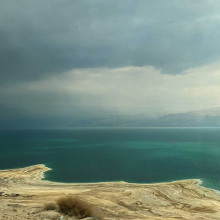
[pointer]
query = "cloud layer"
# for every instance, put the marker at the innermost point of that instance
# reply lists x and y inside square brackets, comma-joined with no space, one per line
[128,90]
[44,37]
[66,58]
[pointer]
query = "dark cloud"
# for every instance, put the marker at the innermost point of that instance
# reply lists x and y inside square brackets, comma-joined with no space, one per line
[40,37]
[70,61]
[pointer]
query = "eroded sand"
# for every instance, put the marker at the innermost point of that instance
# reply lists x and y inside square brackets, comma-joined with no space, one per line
[23,195]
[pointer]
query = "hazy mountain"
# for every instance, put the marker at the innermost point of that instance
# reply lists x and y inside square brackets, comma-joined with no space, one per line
[203,118]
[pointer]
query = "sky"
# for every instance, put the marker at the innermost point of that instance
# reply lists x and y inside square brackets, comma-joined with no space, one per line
[68,59]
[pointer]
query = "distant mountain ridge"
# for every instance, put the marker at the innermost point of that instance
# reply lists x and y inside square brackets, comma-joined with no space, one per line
[202,118]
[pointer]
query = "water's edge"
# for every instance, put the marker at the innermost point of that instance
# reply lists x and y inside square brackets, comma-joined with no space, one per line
[199,181]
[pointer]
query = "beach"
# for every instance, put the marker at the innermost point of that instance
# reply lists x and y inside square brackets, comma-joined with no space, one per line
[23,194]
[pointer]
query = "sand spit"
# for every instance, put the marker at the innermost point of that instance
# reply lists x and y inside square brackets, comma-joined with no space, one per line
[23,194]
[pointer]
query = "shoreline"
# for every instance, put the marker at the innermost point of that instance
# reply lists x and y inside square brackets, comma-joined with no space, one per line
[200,185]
[24,191]
[46,169]
[197,182]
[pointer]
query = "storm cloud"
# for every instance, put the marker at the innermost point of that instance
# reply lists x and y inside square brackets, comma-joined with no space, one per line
[41,37]
[74,58]
[131,90]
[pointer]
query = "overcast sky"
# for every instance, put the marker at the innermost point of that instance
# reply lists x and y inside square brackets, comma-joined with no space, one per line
[74,58]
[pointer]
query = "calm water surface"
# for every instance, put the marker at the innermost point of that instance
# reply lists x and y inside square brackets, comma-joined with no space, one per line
[141,155]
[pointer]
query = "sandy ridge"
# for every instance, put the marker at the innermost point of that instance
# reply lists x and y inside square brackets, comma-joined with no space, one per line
[23,193]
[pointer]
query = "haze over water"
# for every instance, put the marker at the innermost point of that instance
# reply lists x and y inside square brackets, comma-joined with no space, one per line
[141,155]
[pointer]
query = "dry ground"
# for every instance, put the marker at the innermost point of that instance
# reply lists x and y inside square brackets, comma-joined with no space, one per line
[23,195]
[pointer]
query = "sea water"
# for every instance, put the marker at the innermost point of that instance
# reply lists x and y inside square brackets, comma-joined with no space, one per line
[140,155]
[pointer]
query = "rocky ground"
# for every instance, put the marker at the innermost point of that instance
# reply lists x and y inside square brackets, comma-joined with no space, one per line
[23,195]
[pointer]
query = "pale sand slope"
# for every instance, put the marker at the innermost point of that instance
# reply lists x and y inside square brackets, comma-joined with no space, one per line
[117,200]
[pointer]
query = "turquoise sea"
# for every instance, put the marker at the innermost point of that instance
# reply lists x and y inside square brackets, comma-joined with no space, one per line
[140,155]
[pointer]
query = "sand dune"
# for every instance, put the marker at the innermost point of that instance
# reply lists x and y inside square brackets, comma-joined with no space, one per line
[23,194]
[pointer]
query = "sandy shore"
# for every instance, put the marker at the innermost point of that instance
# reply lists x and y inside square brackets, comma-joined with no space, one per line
[23,194]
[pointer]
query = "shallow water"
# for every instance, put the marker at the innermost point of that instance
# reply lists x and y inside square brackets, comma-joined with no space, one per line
[141,155]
